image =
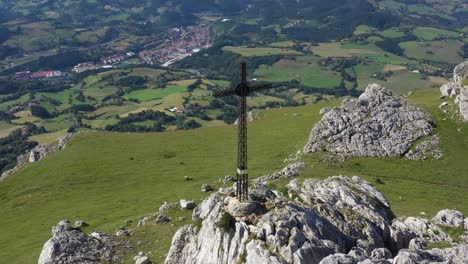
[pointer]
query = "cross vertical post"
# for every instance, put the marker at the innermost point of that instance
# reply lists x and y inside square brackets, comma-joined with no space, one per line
[243,89]
[242,172]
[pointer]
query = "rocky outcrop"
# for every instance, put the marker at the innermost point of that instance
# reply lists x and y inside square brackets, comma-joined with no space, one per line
[455,255]
[71,245]
[426,149]
[377,124]
[38,153]
[189,205]
[457,89]
[450,217]
[336,220]
[287,172]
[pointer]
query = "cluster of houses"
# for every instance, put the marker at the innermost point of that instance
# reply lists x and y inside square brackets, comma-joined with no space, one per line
[116,58]
[27,75]
[106,61]
[183,42]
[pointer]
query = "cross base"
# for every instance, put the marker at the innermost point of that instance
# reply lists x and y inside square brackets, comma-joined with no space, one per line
[242,191]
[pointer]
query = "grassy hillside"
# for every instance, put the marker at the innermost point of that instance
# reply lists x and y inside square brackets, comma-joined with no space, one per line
[107,178]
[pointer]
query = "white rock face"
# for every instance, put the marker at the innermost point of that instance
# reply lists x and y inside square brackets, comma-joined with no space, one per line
[458,90]
[190,205]
[450,217]
[460,73]
[455,255]
[377,124]
[69,245]
[40,152]
[449,90]
[142,260]
[336,220]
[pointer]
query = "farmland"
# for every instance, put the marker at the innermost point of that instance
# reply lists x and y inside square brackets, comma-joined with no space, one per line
[305,70]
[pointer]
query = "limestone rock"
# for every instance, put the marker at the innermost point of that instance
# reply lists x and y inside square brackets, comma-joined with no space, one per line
[377,124]
[404,229]
[458,90]
[457,254]
[40,152]
[460,73]
[381,253]
[338,258]
[295,232]
[81,223]
[450,217]
[144,220]
[185,204]
[163,219]
[449,89]
[337,220]
[63,141]
[444,104]
[239,209]
[167,206]
[141,259]
[70,245]
[227,179]
[325,110]
[122,232]
[288,172]
[207,188]
[426,149]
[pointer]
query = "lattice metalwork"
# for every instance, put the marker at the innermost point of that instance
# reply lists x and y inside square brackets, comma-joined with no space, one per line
[243,89]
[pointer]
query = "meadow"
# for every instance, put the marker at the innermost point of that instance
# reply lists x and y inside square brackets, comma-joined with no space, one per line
[260,51]
[155,93]
[425,33]
[303,69]
[108,178]
[441,50]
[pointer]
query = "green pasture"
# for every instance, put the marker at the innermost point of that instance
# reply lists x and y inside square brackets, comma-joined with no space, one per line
[6,128]
[426,33]
[260,51]
[155,93]
[336,49]
[311,75]
[441,50]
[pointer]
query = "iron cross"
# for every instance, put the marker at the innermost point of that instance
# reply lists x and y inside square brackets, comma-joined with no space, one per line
[243,89]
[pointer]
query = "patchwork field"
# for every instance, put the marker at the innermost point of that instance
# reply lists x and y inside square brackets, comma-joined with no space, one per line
[342,50]
[260,51]
[444,50]
[425,33]
[6,129]
[156,93]
[303,69]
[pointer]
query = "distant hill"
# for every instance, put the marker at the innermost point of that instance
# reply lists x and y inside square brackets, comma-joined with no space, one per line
[33,26]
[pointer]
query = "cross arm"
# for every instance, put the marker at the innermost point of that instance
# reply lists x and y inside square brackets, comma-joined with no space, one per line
[260,86]
[222,93]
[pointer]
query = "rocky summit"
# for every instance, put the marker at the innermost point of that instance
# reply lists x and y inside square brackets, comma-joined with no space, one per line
[458,88]
[337,220]
[377,124]
[71,245]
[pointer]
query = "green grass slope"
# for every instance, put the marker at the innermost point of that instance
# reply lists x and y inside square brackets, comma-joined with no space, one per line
[107,178]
